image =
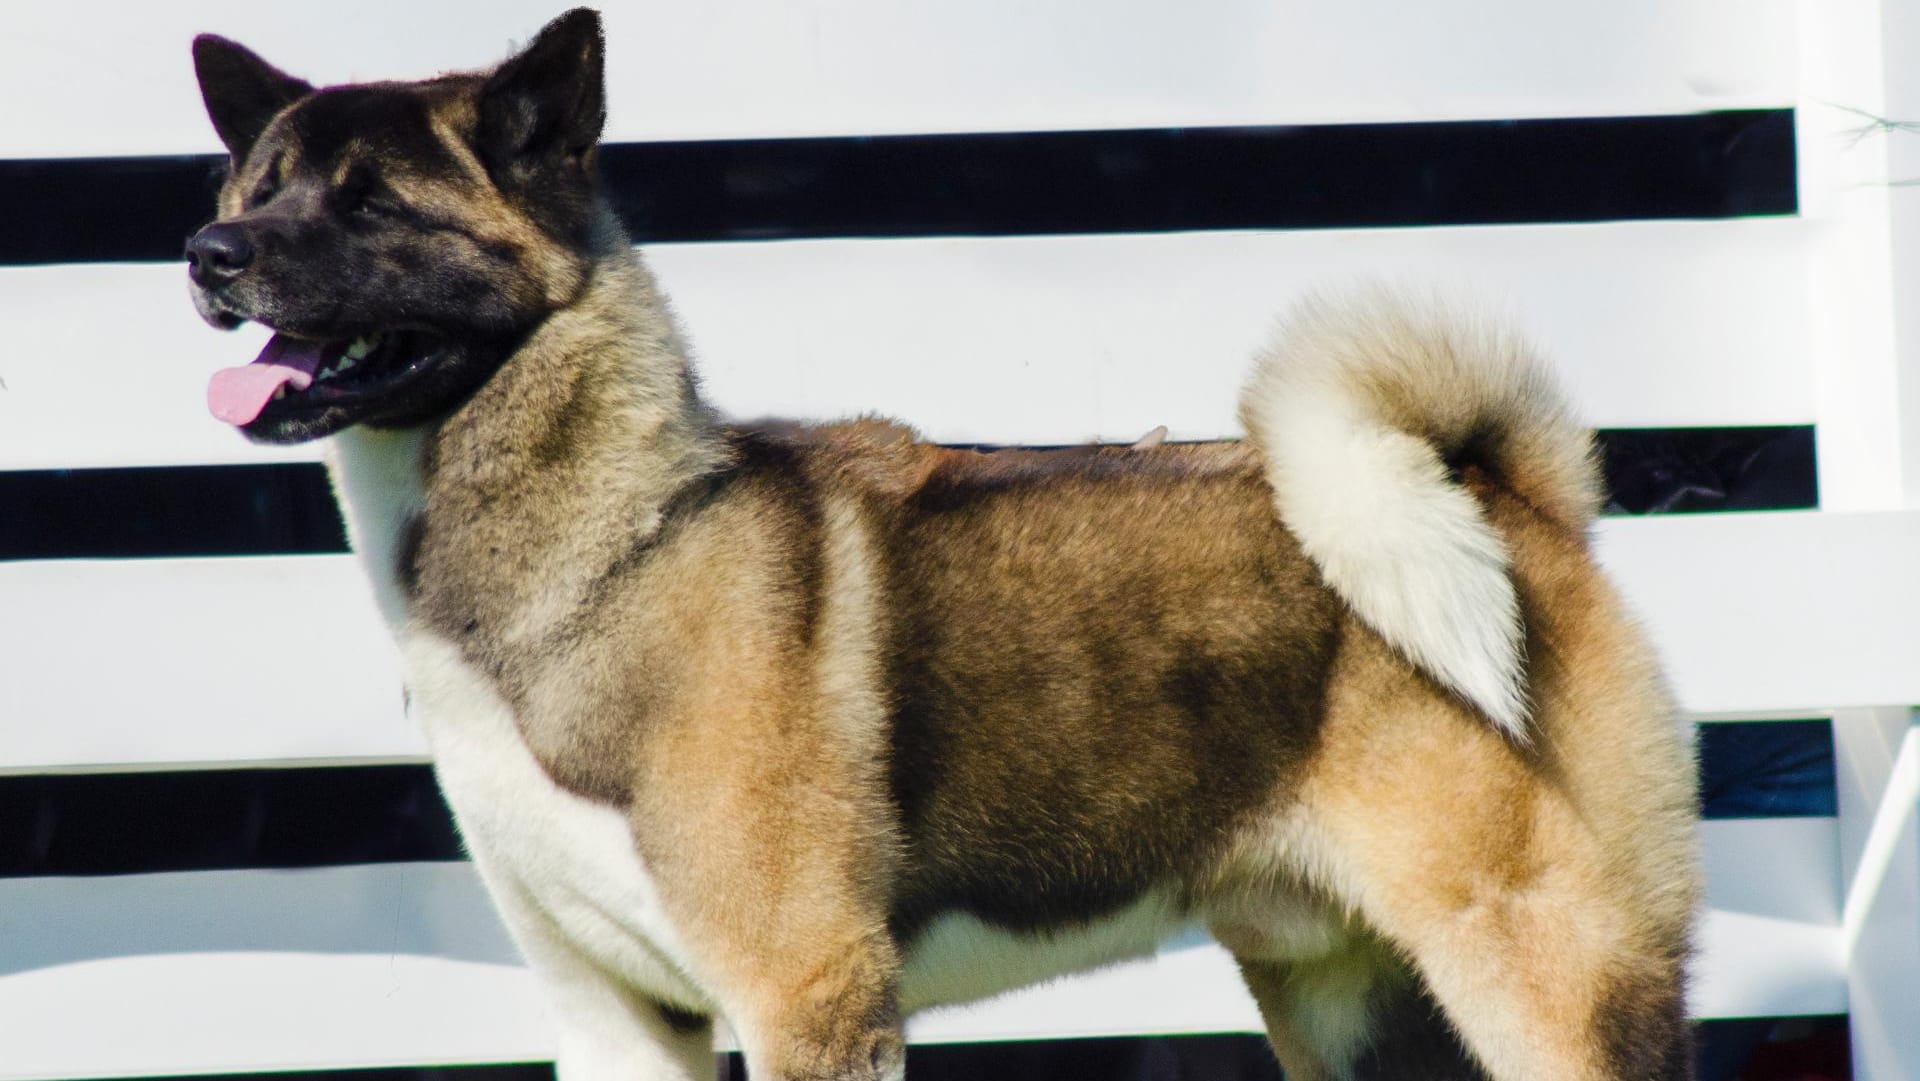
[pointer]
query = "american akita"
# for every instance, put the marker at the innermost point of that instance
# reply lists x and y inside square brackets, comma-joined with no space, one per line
[811,727]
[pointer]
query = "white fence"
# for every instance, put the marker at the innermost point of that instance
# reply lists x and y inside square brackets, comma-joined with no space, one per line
[131,664]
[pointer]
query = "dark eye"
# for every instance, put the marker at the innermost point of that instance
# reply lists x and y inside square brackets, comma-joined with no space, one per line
[362,193]
[267,188]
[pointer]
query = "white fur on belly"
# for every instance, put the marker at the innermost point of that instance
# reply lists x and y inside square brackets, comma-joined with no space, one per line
[958,958]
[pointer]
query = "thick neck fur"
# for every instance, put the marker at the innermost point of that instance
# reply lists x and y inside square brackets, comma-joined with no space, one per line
[551,474]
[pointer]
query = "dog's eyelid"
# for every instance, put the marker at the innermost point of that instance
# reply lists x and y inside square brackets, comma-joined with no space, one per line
[362,191]
[264,189]
[353,181]
[376,200]
[270,181]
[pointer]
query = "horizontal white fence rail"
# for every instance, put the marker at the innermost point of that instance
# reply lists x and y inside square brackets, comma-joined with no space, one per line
[744,68]
[109,673]
[406,964]
[1758,613]
[1755,613]
[1013,339]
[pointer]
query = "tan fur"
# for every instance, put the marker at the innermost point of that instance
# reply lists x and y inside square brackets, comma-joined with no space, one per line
[1544,895]
[453,120]
[840,686]
[730,688]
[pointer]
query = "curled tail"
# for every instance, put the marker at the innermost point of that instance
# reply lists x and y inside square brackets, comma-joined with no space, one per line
[1361,407]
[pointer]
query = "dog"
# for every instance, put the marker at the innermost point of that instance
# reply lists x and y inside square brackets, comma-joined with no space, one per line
[812,726]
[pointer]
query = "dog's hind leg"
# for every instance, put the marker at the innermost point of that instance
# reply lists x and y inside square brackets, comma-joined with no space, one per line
[1542,893]
[1354,1014]
[1316,1012]
[1545,979]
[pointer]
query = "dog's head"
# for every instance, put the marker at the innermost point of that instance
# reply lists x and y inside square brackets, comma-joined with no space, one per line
[398,238]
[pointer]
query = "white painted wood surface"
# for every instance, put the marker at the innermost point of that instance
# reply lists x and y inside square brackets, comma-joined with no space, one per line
[133,663]
[110,77]
[1763,612]
[1755,613]
[1878,771]
[1858,63]
[1017,339]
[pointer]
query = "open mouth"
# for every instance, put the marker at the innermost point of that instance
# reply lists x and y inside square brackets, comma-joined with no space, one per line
[292,375]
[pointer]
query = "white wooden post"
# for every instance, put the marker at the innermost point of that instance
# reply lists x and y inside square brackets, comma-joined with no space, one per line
[1878,773]
[1864,435]
[1860,91]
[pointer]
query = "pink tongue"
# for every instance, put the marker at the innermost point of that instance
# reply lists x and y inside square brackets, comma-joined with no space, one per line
[237,395]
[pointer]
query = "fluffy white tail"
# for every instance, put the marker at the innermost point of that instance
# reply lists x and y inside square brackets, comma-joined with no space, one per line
[1361,406]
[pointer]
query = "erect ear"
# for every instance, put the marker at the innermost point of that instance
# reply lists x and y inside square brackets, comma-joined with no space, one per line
[550,100]
[242,91]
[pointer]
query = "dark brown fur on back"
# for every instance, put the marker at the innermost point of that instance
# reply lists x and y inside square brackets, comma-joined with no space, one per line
[1137,672]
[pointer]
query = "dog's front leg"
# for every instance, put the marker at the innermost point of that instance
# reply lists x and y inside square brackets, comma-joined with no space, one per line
[778,889]
[833,1018]
[803,968]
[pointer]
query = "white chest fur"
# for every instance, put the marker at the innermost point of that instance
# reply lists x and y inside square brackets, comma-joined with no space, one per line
[547,854]
[558,866]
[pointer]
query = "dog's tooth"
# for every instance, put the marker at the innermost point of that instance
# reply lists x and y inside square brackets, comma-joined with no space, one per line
[280,392]
[360,348]
[345,364]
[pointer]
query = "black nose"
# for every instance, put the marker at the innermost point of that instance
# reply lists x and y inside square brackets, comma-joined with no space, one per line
[218,253]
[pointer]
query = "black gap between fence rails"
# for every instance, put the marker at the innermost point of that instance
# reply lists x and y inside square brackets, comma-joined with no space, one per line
[1475,172]
[288,508]
[222,819]
[324,816]
[1769,1044]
